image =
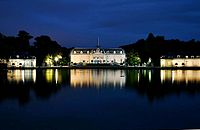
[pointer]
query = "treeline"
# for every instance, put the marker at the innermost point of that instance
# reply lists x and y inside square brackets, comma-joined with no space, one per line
[42,46]
[155,46]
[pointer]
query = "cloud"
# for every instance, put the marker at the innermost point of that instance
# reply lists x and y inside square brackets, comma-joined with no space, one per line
[117,21]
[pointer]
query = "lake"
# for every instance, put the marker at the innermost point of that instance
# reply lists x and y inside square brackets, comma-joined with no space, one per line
[99,99]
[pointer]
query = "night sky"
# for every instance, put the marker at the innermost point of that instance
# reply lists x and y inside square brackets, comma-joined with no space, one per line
[78,23]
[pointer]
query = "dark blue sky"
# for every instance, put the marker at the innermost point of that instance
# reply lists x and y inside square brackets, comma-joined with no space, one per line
[78,23]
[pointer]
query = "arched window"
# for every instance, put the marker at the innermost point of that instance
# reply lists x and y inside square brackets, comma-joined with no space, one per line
[176,63]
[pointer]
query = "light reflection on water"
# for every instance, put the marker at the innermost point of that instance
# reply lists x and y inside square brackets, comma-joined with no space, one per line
[21,76]
[100,78]
[154,84]
[97,78]
[53,75]
[180,76]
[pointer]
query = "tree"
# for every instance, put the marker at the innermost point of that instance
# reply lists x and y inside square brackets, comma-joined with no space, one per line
[23,41]
[43,46]
[133,58]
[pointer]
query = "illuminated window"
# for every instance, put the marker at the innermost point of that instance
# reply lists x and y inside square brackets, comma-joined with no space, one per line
[114,52]
[192,56]
[88,52]
[120,52]
[81,52]
[178,56]
[186,56]
[74,52]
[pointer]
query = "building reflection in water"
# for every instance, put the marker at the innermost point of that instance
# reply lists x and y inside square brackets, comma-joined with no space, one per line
[97,78]
[180,76]
[21,75]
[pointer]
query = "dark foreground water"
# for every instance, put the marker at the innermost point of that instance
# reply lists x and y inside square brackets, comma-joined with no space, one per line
[99,99]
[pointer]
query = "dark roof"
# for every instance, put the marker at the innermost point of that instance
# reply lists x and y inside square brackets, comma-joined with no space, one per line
[22,57]
[181,55]
[102,50]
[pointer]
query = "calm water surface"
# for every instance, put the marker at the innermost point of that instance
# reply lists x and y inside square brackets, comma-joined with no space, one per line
[99,99]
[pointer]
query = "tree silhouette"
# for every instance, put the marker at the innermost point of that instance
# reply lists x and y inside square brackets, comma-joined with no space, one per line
[43,46]
[23,40]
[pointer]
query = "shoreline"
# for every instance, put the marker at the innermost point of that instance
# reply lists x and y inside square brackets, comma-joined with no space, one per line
[106,67]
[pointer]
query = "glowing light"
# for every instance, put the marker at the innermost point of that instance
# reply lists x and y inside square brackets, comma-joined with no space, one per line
[56,59]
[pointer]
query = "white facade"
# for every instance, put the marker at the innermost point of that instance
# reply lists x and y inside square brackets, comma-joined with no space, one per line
[180,61]
[98,56]
[22,62]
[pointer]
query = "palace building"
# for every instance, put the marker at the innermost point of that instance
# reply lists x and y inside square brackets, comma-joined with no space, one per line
[180,61]
[21,61]
[109,56]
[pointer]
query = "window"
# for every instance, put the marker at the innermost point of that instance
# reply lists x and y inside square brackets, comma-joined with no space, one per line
[186,56]
[74,52]
[114,52]
[20,63]
[13,63]
[120,52]
[178,56]
[183,63]
[192,56]
[104,61]
[83,60]
[81,52]
[176,63]
[88,52]
[91,60]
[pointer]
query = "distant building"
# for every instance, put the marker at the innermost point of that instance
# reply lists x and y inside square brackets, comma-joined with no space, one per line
[180,61]
[98,56]
[21,61]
